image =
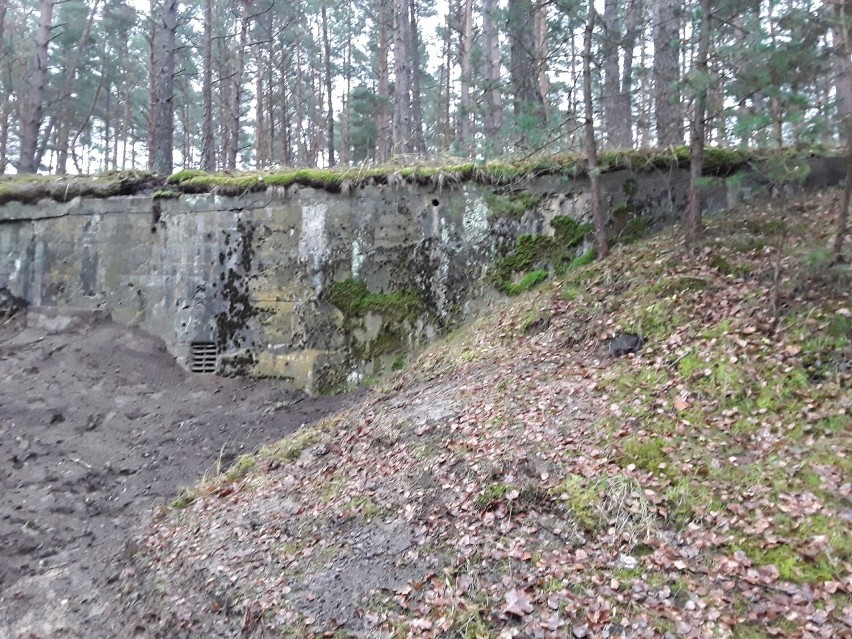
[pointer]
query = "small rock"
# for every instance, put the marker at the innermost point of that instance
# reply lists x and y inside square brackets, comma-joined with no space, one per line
[626,562]
[625,344]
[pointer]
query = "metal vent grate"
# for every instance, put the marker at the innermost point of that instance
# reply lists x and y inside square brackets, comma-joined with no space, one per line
[202,357]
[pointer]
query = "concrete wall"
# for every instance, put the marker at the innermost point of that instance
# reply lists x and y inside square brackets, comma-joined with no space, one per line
[251,274]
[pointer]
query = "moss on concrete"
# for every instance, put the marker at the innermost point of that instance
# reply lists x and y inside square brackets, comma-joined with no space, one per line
[717,162]
[354,299]
[30,189]
[511,205]
[535,256]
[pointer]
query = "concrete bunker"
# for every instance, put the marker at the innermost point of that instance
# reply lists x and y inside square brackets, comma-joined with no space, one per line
[251,284]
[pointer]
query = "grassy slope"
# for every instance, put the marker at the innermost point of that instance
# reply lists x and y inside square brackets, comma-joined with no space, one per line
[542,488]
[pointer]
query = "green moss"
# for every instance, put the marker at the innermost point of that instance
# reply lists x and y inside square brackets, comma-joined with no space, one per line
[568,232]
[354,299]
[536,255]
[31,189]
[644,452]
[791,566]
[491,495]
[688,500]
[398,363]
[387,342]
[166,194]
[724,161]
[528,281]
[185,174]
[582,500]
[634,229]
[511,205]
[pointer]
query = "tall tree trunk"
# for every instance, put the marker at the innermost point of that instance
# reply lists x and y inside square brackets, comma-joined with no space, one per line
[346,137]
[418,141]
[692,213]
[62,147]
[6,102]
[31,115]
[842,37]
[493,98]
[232,143]
[463,137]
[540,49]
[402,78]
[161,110]
[444,85]
[601,243]
[383,130]
[208,146]
[667,110]
[261,136]
[329,98]
[4,133]
[622,133]
[611,70]
[299,99]
[528,107]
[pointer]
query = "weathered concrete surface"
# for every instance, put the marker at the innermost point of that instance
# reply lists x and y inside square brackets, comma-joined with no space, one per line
[252,274]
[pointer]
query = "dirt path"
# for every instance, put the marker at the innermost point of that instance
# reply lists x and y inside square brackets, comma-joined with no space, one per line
[97,426]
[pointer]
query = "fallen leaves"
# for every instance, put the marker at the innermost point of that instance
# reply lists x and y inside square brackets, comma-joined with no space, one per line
[518,603]
[525,516]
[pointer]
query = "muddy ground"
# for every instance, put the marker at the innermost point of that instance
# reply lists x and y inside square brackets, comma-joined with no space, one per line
[98,425]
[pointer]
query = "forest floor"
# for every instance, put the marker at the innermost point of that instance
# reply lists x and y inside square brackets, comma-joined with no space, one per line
[98,425]
[518,479]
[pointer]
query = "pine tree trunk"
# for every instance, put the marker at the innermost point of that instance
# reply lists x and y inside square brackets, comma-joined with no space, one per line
[208,150]
[842,36]
[529,110]
[161,110]
[591,145]
[346,137]
[383,130]
[329,98]
[418,141]
[666,72]
[622,134]
[4,133]
[493,98]
[692,219]
[463,137]
[31,115]
[611,71]
[62,147]
[541,53]
[232,143]
[402,78]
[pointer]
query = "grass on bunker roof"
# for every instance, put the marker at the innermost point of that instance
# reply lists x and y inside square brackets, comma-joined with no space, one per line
[519,483]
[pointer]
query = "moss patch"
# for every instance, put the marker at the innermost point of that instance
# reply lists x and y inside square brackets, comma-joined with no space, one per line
[354,299]
[511,205]
[535,256]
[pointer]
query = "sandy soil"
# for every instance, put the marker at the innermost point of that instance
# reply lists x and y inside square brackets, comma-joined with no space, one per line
[97,426]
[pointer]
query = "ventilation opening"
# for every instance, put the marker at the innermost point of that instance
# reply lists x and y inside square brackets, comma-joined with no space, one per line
[202,357]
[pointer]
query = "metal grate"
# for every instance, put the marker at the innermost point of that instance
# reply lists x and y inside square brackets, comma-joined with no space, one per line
[202,357]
